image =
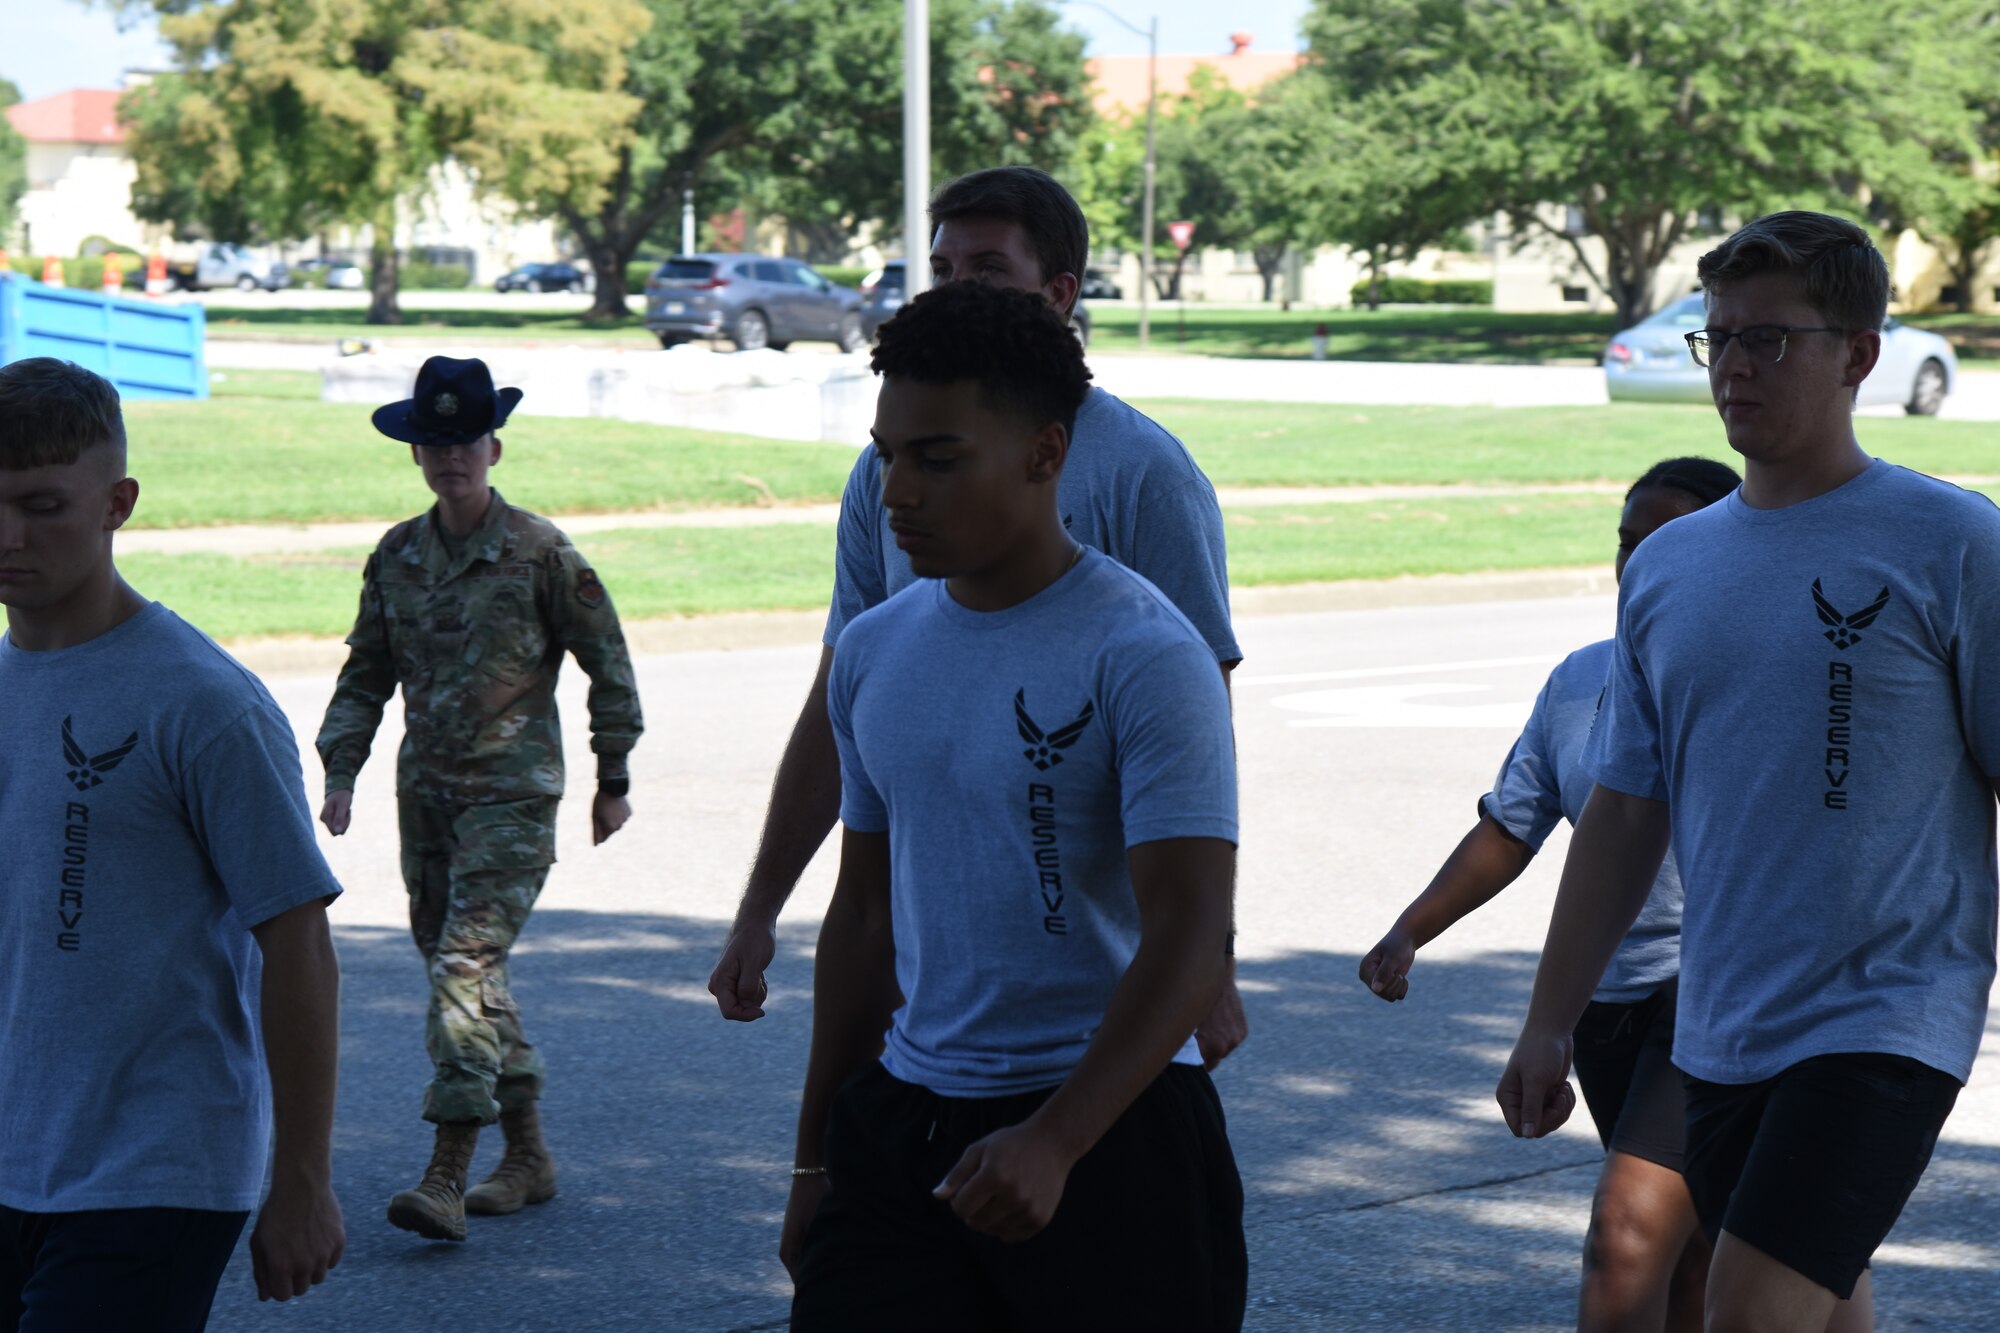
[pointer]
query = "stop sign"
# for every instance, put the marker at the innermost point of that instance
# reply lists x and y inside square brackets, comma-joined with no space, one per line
[1183,234]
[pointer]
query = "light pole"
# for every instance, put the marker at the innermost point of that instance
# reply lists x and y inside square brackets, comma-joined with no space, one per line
[916,147]
[1151,33]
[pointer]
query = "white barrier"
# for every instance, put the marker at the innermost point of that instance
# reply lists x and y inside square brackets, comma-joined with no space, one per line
[777,395]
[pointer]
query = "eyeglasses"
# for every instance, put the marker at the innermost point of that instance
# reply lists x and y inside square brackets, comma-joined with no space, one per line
[1764,342]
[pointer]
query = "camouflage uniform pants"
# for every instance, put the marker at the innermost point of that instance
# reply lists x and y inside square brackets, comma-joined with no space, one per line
[473,875]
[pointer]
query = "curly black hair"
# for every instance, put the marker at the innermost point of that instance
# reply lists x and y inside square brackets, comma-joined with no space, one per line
[1703,478]
[1015,346]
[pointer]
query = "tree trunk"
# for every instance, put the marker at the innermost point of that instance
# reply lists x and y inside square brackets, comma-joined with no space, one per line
[1375,278]
[608,258]
[383,271]
[1270,265]
[1631,282]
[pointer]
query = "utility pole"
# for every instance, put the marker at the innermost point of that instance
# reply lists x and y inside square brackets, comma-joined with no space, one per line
[1151,32]
[916,147]
[1152,170]
[687,216]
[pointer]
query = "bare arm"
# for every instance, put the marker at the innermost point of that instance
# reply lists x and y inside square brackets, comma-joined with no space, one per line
[805,804]
[1009,1183]
[854,995]
[300,1233]
[1613,860]
[1226,1027]
[1486,860]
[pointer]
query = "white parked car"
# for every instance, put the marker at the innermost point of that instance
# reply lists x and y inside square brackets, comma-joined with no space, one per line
[1650,363]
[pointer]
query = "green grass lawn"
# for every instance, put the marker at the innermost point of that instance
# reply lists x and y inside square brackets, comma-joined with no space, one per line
[243,459]
[262,460]
[651,572]
[280,384]
[1285,444]
[695,571]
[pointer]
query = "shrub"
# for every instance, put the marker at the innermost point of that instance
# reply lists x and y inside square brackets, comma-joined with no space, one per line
[416,276]
[637,272]
[846,275]
[85,274]
[1422,291]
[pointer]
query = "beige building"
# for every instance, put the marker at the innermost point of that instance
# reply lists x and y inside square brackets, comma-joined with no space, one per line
[79,179]
[80,185]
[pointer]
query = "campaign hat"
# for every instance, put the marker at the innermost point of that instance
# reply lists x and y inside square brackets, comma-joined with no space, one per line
[454,403]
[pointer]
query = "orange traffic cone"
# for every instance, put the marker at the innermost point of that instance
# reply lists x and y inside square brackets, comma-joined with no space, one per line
[52,271]
[114,276]
[156,275]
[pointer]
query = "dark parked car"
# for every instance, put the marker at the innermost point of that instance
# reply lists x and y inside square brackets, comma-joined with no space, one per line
[1098,286]
[542,278]
[752,300]
[882,297]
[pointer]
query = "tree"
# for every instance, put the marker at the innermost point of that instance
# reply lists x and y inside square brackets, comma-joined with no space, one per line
[1008,86]
[288,116]
[1226,163]
[795,108]
[1642,118]
[1961,215]
[13,165]
[1358,175]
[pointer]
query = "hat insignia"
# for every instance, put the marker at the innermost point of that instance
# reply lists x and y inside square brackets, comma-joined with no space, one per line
[445,405]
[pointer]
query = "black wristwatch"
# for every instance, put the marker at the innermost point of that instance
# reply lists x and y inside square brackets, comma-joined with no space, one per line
[614,786]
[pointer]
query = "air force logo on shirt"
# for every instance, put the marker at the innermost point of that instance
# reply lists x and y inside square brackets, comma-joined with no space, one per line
[1843,631]
[88,771]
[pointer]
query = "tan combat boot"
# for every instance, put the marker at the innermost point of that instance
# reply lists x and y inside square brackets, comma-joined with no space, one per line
[435,1209]
[526,1173]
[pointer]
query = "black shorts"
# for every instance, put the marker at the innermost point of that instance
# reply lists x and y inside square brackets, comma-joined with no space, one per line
[1624,1062]
[1813,1165]
[113,1268]
[1149,1233]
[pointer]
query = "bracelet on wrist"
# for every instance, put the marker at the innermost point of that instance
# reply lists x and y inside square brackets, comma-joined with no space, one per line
[798,1171]
[614,786]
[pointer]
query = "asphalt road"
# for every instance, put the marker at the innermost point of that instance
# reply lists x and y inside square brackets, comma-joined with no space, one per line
[1383,1190]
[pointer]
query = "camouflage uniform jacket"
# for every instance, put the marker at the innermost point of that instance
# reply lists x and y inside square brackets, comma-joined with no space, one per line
[476,641]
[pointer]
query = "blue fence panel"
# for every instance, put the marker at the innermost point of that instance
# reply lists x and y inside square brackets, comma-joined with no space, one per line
[148,349]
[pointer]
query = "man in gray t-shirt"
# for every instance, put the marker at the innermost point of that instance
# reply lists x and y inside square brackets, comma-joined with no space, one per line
[161,893]
[1130,490]
[1801,679]
[1039,810]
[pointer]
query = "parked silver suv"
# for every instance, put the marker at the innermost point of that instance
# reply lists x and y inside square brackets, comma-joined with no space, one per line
[752,300]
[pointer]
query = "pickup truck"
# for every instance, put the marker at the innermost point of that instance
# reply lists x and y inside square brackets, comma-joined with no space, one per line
[227,265]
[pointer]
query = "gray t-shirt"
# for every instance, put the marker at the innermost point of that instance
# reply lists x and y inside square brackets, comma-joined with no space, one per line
[153,810]
[1128,488]
[1543,780]
[1013,757]
[1815,693]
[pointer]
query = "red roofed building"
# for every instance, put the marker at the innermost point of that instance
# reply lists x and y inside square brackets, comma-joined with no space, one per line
[1121,80]
[79,178]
